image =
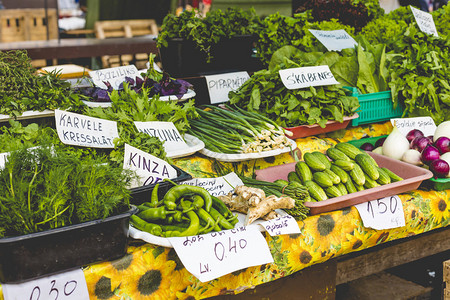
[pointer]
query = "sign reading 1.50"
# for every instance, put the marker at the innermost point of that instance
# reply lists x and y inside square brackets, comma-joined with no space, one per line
[384,213]
[64,286]
[382,207]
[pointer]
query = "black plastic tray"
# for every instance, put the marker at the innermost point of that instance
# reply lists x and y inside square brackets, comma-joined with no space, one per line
[42,253]
[142,194]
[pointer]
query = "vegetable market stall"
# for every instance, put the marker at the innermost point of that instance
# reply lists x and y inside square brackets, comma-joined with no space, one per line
[155,272]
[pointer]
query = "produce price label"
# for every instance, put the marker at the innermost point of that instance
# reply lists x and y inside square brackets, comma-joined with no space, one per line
[297,78]
[215,254]
[115,76]
[424,21]
[3,157]
[221,84]
[334,40]
[150,169]
[165,132]
[80,130]
[384,213]
[63,286]
[218,186]
[424,124]
[282,225]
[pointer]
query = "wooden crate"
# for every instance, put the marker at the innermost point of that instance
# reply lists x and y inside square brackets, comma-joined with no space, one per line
[446,277]
[129,29]
[27,25]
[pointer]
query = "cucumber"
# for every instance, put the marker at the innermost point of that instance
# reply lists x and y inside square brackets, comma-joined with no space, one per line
[350,150]
[357,175]
[332,191]
[303,171]
[334,177]
[384,177]
[313,162]
[292,176]
[315,191]
[359,187]
[335,154]
[281,182]
[370,183]
[339,172]
[322,179]
[350,187]
[323,158]
[394,177]
[366,164]
[344,164]
[341,187]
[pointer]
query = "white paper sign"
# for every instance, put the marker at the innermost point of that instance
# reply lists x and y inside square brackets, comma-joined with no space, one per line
[81,130]
[424,21]
[297,78]
[150,169]
[115,76]
[218,186]
[221,84]
[164,131]
[3,157]
[384,213]
[282,225]
[69,285]
[424,124]
[334,40]
[215,254]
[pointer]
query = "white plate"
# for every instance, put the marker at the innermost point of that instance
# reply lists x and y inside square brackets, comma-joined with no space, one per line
[194,145]
[29,114]
[247,156]
[190,94]
[165,242]
[97,104]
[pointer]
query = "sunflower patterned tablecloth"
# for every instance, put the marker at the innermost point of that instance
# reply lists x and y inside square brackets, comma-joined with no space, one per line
[153,272]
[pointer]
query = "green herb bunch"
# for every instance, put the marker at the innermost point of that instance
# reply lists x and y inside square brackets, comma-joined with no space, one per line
[441,19]
[43,188]
[23,89]
[208,31]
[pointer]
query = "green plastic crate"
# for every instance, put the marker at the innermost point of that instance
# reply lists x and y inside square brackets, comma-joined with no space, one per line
[360,142]
[376,107]
[438,184]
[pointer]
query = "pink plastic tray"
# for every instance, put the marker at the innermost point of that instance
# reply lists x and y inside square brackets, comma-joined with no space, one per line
[308,130]
[412,178]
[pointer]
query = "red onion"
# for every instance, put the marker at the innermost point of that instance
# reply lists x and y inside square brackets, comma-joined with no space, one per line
[440,168]
[443,144]
[419,143]
[429,154]
[367,147]
[380,142]
[413,134]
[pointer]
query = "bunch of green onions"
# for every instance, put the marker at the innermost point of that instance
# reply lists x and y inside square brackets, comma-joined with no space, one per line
[234,130]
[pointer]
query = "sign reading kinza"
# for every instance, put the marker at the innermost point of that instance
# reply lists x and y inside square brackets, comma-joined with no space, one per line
[80,130]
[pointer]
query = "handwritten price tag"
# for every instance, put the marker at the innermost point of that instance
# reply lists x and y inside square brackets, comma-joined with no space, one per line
[115,76]
[297,78]
[212,255]
[424,21]
[424,124]
[384,213]
[63,286]
[221,84]
[218,186]
[164,131]
[282,225]
[334,40]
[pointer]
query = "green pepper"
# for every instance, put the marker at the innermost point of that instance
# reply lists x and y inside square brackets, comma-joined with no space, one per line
[155,213]
[140,224]
[197,201]
[222,221]
[205,216]
[233,220]
[177,227]
[193,228]
[154,196]
[221,207]
[177,192]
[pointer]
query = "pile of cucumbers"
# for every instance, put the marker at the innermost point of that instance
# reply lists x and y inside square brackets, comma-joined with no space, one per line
[343,170]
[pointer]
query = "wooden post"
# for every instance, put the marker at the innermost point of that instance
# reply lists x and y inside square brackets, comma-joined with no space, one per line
[446,278]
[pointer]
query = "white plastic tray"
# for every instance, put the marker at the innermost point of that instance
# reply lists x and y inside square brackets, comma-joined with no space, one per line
[247,156]
[190,94]
[29,114]
[194,144]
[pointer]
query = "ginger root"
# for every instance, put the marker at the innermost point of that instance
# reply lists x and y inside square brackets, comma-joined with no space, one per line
[255,204]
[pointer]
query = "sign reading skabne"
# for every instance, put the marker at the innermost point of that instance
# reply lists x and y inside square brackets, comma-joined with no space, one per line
[149,169]
[215,254]
[334,40]
[80,130]
[69,285]
[384,213]
[424,21]
[297,78]
[221,84]
[165,132]
[115,76]
[218,186]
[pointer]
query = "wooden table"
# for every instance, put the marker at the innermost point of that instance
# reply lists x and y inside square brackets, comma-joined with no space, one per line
[83,47]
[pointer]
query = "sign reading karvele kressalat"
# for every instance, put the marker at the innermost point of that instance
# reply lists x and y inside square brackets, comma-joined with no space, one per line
[80,130]
[297,78]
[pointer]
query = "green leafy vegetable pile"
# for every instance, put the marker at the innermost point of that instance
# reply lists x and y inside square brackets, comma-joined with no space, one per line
[44,188]
[21,89]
